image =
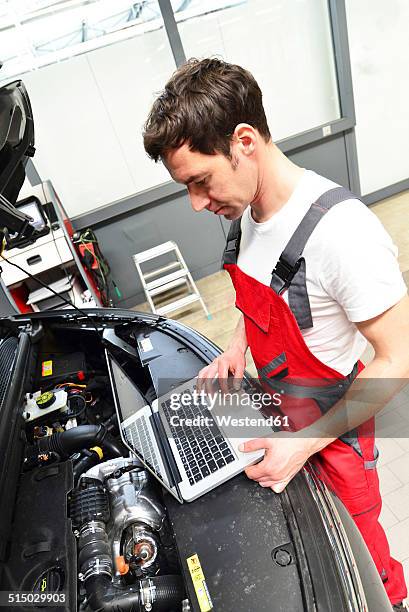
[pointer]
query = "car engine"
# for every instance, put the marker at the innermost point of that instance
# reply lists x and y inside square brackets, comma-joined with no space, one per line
[120,525]
[90,519]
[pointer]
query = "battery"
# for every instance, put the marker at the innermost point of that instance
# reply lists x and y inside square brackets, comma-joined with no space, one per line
[60,367]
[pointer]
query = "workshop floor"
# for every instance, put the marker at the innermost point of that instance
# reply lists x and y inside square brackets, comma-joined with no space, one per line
[393,464]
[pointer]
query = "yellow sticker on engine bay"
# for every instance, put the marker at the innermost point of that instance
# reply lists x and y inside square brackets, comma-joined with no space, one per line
[199,582]
[46,368]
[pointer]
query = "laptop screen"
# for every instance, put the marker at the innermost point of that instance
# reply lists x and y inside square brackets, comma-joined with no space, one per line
[130,400]
[134,416]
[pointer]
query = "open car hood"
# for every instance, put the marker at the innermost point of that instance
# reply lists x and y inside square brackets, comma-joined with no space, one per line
[16,138]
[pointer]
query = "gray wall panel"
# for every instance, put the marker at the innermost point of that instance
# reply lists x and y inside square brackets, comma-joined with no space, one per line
[200,238]
[327,157]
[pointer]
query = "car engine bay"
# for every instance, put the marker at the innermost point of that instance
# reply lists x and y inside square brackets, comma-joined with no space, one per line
[90,519]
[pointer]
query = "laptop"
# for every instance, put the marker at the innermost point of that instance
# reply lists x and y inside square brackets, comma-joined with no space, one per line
[188,461]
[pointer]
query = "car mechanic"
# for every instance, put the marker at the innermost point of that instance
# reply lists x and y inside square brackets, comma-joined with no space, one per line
[335,285]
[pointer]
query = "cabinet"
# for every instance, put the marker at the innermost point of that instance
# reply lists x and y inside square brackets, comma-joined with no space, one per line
[52,259]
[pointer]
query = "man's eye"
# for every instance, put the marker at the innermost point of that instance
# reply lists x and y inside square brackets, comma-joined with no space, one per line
[202,182]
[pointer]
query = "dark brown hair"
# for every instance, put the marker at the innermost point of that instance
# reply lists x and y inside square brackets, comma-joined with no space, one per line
[201,104]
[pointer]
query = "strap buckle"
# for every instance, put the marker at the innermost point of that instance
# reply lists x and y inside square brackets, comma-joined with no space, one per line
[231,245]
[286,272]
[230,252]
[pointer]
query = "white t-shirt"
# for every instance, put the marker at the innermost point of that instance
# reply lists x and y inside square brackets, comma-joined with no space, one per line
[352,271]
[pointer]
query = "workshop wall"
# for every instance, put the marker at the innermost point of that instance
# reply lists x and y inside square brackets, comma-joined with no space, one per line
[89,122]
[89,109]
[378,39]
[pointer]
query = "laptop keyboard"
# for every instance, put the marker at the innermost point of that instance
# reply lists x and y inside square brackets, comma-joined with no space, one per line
[203,450]
[138,438]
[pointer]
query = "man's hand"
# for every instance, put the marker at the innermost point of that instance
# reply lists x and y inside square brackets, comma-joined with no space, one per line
[285,455]
[232,361]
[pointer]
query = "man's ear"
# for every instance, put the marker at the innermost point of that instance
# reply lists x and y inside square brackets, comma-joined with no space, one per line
[245,138]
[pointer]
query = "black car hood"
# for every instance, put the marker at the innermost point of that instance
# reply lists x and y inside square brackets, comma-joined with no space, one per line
[16,138]
[104,317]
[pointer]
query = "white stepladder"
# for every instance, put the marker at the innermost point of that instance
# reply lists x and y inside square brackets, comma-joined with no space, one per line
[162,279]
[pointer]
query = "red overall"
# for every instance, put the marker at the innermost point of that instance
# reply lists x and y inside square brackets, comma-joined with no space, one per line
[283,360]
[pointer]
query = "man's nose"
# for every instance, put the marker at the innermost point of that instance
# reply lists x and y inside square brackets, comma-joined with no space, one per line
[199,201]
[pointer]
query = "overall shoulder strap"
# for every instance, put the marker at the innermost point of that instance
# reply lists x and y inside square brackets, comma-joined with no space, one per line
[231,250]
[289,272]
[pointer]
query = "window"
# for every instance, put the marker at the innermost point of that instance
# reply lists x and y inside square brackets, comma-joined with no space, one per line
[286,45]
[37,33]
[93,67]
[91,88]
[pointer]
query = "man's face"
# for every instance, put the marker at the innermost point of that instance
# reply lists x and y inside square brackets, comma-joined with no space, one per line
[216,183]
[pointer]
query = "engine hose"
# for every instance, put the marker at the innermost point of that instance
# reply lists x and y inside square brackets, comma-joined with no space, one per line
[89,503]
[104,596]
[111,422]
[67,442]
[88,459]
[168,590]
[114,448]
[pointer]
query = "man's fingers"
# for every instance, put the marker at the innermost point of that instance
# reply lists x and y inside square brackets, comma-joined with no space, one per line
[209,371]
[253,445]
[238,373]
[256,472]
[223,374]
[237,381]
[278,487]
[219,369]
[264,479]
